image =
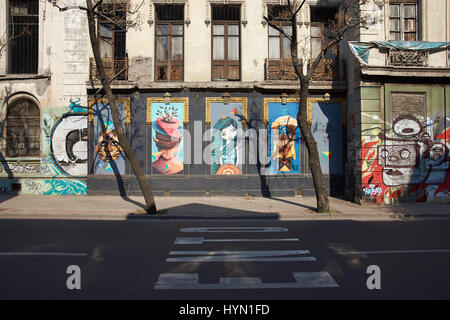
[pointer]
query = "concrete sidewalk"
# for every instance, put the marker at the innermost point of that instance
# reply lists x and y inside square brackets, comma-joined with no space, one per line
[283,208]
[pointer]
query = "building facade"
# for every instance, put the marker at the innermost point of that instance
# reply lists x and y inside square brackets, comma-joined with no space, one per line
[398,98]
[207,95]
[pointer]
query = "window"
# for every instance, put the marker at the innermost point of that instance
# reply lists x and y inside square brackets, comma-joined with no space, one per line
[403,20]
[22,129]
[169,42]
[225,42]
[279,45]
[112,38]
[320,17]
[23,32]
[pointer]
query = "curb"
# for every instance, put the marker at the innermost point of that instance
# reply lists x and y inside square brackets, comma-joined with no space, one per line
[130,216]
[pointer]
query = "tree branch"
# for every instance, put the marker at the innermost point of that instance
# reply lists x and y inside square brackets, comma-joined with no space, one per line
[270,23]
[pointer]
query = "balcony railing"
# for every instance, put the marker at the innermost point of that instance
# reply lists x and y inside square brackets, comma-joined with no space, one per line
[405,58]
[283,69]
[116,69]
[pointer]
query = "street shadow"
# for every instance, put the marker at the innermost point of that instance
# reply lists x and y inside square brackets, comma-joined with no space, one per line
[202,211]
[102,118]
[295,203]
[5,191]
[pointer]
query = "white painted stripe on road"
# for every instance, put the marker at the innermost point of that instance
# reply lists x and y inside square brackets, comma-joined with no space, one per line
[190,281]
[239,259]
[59,254]
[248,253]
[202,240]
[234,229]
[393,251]
[241,256]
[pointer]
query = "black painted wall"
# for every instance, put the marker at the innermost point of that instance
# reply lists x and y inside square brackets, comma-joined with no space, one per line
[196,180]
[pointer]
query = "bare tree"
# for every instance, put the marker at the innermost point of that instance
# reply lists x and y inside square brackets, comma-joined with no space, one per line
[352,16]
[93,11]
[5,40]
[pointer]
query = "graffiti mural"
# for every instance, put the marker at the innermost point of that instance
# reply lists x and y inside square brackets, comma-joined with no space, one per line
[410,160]
[64,144]
[167,138]
[284,137]
[64,187]
[227,143]
[109,158]
[69,146]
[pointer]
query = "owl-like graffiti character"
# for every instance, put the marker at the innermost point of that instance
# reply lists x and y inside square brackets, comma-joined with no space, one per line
[108,147]
[411,155]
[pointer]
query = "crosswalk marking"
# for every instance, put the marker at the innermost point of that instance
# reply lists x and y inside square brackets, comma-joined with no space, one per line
[234,229]
[190,281]
[184,281]
[201,240]
[393,251]
[240,256]
[55,254]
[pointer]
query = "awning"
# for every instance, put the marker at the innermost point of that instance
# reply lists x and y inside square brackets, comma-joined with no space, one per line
[361,50]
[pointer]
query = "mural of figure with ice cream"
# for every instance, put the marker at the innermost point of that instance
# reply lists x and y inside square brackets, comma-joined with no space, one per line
[167,133]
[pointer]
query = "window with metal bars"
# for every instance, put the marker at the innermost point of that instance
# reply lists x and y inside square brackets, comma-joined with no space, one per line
[226,42]
[403,20]
[24,36]
[112,32]
[169,42]
[22,129]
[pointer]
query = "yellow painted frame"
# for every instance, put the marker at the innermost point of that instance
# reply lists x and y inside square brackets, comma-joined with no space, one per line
[210,100]
[162,100]
[278,100]
[124,100]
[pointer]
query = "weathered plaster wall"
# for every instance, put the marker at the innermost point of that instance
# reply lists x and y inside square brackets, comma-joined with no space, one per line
[59,90]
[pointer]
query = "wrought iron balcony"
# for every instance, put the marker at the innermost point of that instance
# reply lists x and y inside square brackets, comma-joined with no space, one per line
[406,58]
[283,69]
[116,69]
[329,70]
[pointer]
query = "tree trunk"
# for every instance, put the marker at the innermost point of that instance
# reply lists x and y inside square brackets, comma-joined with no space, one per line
[305,127]
[314,162]
[150,206]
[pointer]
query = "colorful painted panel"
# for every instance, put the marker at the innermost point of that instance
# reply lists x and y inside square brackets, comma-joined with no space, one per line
[69,144]
[109,158]
[327,129]
[167,137]
[411,159]
[227,140]
[64,144]
[284,137]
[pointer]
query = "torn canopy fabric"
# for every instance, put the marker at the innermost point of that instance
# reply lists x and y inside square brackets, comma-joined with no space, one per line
[361,50]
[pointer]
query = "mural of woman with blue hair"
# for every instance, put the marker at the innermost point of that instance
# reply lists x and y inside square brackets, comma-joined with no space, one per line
[225,151]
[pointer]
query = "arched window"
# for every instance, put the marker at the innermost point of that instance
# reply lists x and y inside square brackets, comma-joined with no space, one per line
[22,129]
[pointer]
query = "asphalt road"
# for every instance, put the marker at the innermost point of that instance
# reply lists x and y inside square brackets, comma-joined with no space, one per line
[224,259]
